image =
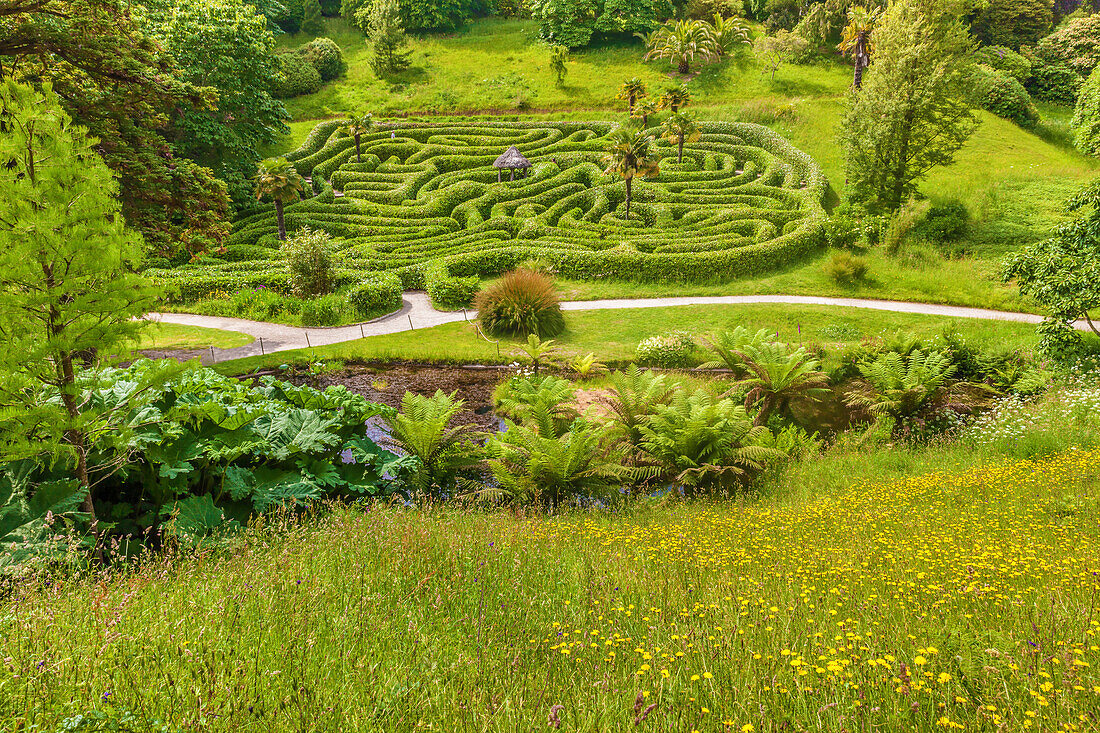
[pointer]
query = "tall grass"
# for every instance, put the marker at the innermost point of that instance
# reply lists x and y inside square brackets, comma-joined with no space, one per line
[886,605]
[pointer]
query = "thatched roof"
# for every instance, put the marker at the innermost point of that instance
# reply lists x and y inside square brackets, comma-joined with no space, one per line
[512,158]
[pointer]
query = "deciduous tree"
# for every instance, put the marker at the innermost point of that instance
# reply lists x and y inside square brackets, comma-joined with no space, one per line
[913,112]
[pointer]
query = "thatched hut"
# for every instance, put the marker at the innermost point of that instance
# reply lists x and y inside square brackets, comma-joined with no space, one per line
[513,160]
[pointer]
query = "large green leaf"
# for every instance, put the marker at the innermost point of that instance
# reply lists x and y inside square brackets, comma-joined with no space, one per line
[197,517]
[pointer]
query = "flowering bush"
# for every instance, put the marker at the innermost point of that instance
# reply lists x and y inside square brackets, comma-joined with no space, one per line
[670,350]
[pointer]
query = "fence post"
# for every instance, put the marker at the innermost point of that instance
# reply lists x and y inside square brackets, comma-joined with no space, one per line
[411,327]
[308,344]
[212,359]
[261,345]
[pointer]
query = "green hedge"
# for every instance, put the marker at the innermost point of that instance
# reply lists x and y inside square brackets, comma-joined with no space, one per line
[424,204]
[376,294]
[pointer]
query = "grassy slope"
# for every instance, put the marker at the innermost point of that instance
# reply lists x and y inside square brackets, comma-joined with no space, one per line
[613,335]
[1012,180]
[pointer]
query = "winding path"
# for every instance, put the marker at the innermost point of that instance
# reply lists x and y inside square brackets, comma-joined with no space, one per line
[417,312]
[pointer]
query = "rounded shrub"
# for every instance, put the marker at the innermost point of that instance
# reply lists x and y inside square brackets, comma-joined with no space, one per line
[706,9]
[669,351]
[520,303]
[323,311]
[946,222]
[325,56]
[1005,59]
[1004,96]
[299,76]
[1075,44]
[311,258]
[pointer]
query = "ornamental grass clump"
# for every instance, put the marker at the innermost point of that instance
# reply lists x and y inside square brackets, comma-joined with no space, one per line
[523,302]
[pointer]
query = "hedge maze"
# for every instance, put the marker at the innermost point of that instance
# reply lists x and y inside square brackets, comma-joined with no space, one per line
[423,208]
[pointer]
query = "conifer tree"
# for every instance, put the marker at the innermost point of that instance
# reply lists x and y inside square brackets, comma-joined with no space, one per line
[387,36]
[67,295]
[311,17]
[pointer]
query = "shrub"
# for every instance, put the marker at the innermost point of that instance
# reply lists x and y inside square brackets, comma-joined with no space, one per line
[520,303]
[670,351]
[311,258]
[1076,44]
[706,9]
[842,231]
[299,76]
[377,296]
[1054,82]
[1005,59]
[1013,23]
[447,292]
[998,92]
[1086,117]
[946,222]
[325,56]
[846,268]
[326,310]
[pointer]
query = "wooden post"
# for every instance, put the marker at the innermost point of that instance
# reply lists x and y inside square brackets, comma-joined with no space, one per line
[498,175]
[511,174]
[411,328]
[308,344]
[261,345]
[212,359]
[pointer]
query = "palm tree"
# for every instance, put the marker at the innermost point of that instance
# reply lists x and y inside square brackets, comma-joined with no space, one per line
[674,98]
[642,110]
[728,34]
[680,128]
[856,38]
[356,127]
[279,180]
[776,377]
[680,41]
[632,90]
[628,155]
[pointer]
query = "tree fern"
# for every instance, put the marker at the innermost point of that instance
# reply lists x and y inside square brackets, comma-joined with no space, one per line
[422,430]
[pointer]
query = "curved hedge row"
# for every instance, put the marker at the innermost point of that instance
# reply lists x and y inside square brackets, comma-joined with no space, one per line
[423,202]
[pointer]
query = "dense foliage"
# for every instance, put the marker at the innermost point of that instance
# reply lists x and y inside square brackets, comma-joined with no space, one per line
[226,45]
[1013,23]
[113,79]
[1075,44]
[205,452]
[1086,116]
[418,15]
[574,23]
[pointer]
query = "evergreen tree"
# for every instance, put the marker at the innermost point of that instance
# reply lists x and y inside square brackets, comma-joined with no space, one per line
[311,17]
[913,112]
[387,36]
[66,292]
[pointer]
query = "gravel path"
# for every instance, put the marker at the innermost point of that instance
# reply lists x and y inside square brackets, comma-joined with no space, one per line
[417,313]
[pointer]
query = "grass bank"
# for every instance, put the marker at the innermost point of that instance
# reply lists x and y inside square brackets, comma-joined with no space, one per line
[613,335]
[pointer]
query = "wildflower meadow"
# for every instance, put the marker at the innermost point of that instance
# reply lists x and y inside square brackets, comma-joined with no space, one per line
[946,600]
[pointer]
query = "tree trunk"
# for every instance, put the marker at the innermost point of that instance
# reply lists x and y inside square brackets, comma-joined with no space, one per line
[629,181]
[684,67]
[858,81]
[358,156]
[279,216]
[630,105]
[680,150]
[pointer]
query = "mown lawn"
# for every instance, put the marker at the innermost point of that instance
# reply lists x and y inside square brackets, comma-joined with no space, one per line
[613,335]
[176,336]
[946,600]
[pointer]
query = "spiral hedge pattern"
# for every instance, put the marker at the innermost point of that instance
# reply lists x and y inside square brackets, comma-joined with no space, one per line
[423,205]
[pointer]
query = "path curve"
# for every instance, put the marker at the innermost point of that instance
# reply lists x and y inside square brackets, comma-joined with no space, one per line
[417,312]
